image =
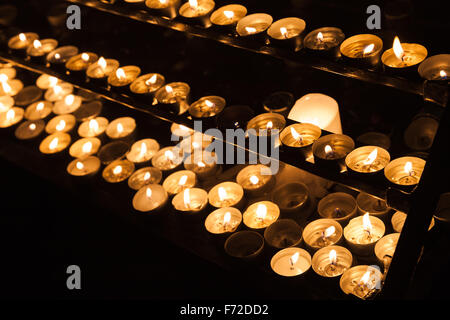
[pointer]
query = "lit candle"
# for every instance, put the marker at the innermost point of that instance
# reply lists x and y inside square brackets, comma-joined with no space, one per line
[147,84]
[300,137]
[436,68]
[228,15]
[287,32]
[195,143]
[149,198]
[403,55]
[179,181]
[99,71]
[63,123]
[321,233]
[6,103]
[143,177]
[203,164]
[121,128]
[19,43]
[283,233]
[58,57]
[80,62]
[405,171]
[253,24]
[174,96]
[55,143]
[11,117]
[38,110]
[165,8]
[226,194]
[143,150]
[46,81]
[7,73]
[190,201]
[84,167]
[123,76]
[10,87]
[291,262]
[362,233]
[362,49]
[330,151]
[84,147]
[256,179]
[266,124]
[58,91]
[367,159]
[39,49]
[261,214]
[207,107]
[180,131]
[197,11]
[362,281]
[93,128]
[168,158]
[69,104]
[223,221]
[339,206]
[324,41]
[332,261]
[118,171]
[28,130]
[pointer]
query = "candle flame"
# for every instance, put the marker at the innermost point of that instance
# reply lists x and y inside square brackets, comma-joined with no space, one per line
[200,164]
[52,81]
[398,49]
[102,63]
[209,103]
[87,147]
[10,115]
[183,127]
[80,165]
[269,125]
[22,37]
[284,32]
[294,258]
[365,278]
[148,192]
[443,74]
[367,225]
[53,144]
[119,127]
[3,77]
[186,198]
[408,167]
[320,36]
[162,1]
[329,231]
[169,89]
[61,125]
[371,157]
[120,74]
[57,56]
[69,99]
[85,57]
[183,180]
[57,89]
[222,193]
[40,106]
[143,149]
[93,125]
[169,155]
[6,87]
[147,176]
[295,134]
[32,126]
[368,49]
[250,29]
[229,14]
[226,218]
[261,211]
[193,4]
[332,257]
[254,179]
[328,149]
[117,169]
[37,44]
[151,80]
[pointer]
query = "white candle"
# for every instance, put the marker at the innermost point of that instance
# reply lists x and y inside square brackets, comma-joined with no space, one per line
[84,147]
[143,150]
[84,167]
[38,110]
[69,104]
[149,198]
[291,262]
[121,128]
[93,127]
[62,123]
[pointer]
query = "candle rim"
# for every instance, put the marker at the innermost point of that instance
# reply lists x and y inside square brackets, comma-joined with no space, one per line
[275,27]
[232,210]
[263,17]
[343,252]
[420,50]
[358,38]
[237,8]
[290,251]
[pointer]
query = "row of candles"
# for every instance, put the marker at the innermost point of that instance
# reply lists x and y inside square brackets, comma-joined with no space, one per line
[363,49]
[363,234]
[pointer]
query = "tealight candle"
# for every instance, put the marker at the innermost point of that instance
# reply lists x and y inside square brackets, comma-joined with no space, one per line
[165,8]
[69,104]
[362,233]
[122,77]
[58,92]
[39,49]
[179,181]
[223,221]
[58,57]
[121,128]
[7,73]
[229,15]
[113,151]
[362,49]
[367,160]
[27,95]
[206,107]
[93,128]
[436,68]
[84,167]
[405,171]
[338,206]
[404,55]
[195,143]
[279,102]
[149,198]
[11,117]
[19,43]
[266,124]
[174,96]
[147,85]
[291,262]
[321,233]
[88,110]
[197,11]
[180,131]
[226,194]
[46,81]
[283,233]
[6,103]
[332,261]
[261,214]
[143,150]
[80,62]
[287,32]
[375,207]
[55,143]
[293,200]
[84,147]
[362,281]
[99,71]
[29,130]
[203,164]
[38,110]
[118,171]
[324,41]
[10,87]
[244,245]
[385,248]
[62,123]
[256,179]
[143,177]
[190,201]
[168,158]
[330,151]
[253,25]
[299,137]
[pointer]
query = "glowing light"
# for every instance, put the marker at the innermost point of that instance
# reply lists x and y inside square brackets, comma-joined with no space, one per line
[10,115]
[398,49]
[93,125]
[69,99]
[329,231]
[52,81]
[371,157]
[250,30]
[332,257]
[32,126]
[147,176]
[226,218]
[294,258]
[87,147]
[6,87]
[408,168]
[57,90]
[200,164]
[85,57]
[169,155]
[57,56]
[151,80]
[269,125]
[61,125]
[143,149]
[148,192]
[102,63]
[3,77]
[193,4]
[368,49]
[186,198]
[169,89]
[367,226]
[163,1]
[209,104]
[284,32]
[182,180]
[222,194]
[443,74]
[120,74]
[254,179]
[365,278]
[40,106]
[320,36]
[296,135]
[37,44]
[22,37]
[228,14]
[119,128]
[53,144]
[117,170]
[261,211]
[80,165]
[328,150]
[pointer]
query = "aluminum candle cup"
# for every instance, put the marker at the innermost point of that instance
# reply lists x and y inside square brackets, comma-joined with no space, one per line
[121,128]
[113,151]
[203,164]
[256,180]
[38,110]
[88,110]
[291,262]
[190,202]
[58,92]
[195,143]
[150,198]
[321,233]
[64,123]
[77,65]
[436,68]
[405,172]
[265,124]
[98,72]
[298,139]
[361,281]
[18,44]
[164,8]
[146,85]
[180,131]
[234,117]
[367,162]
[332,261]
[362,233]
[9,72]
[227,17]
[402,58]
[260,215]
[254,26]
[206,109]
[55,143]
[362,50]
[29,130]
[223,221]
[38,50]
[375,207]
[244,246]
[11,117]
[46,81]
[85,167]
[324,42]
[143,177]
[168,159]
[174,97]
[338,206]
[57,58]
[385,248]
[279,102]
[142,151]
[93,128]
[10,87]
[283,233]
[179,181]
[197,12]
[27,96]
[226,194]
[69,104]
[330,151]
[119,80]
[84,147]
[118,171]
[287,32]
[293,200]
